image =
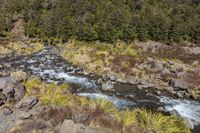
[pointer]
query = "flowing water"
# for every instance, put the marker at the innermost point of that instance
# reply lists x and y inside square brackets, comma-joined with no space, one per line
[52,68]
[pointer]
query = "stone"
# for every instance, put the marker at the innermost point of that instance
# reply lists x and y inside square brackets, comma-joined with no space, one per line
[80,117]
[19,75]
[121,81]
[7,111]
[113,78]
[178,84]
[19,92]
[107,86]
[68,126]
[24,115]
[158,65]
[7,82]
[27,103]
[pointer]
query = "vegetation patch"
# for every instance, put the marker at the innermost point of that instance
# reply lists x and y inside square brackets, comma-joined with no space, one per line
[101,112]
[25,49]
[49,94]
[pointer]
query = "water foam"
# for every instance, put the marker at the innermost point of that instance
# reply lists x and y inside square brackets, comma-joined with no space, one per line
[186,108]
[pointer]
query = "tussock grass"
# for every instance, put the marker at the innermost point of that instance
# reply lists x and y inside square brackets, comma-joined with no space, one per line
[51,94]
[125,118]
[158,123]
[98,105]
[25,49]
[4,50]
[100,57]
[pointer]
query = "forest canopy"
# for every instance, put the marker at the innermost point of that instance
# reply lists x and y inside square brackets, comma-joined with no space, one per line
[105,20]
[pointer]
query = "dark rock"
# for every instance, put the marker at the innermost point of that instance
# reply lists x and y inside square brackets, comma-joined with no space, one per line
[2,99]
[174,112]
[27,103]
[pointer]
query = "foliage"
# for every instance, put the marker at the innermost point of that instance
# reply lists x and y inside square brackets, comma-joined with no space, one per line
[48,93]
[105,20]
[125,118]
[156,122]
[98,105]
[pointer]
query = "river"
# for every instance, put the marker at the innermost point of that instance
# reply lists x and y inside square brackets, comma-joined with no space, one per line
[52,68]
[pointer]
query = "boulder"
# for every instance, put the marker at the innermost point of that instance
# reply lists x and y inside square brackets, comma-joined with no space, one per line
[7,82]
[24,115]
[19,92]
[11,89]
[27,103]
[178,84]
[68,126]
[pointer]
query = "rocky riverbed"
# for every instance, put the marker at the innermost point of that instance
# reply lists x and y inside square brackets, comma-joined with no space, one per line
[50,67]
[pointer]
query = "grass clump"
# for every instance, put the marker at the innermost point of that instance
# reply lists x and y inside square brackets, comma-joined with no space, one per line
[25,49]
[98,105]
[125,118]
[4,50]
[51,94]
[158,123]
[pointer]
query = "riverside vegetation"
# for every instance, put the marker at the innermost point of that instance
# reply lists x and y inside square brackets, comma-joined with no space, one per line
[151,64]
[153,44]
[102,112]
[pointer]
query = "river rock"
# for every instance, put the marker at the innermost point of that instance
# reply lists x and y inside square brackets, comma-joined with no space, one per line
[107,86]
[27,103]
